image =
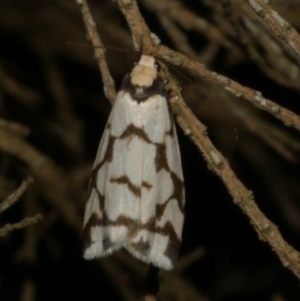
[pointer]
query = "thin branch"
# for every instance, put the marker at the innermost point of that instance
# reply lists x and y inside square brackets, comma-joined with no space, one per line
[17,128]
[288,117]
[6,229]
[189,259]
[278,25]
[189,20]
[53,182]
[17,90]
[99,51]
[266,230]
[16,194]
[139,28]
[140,32]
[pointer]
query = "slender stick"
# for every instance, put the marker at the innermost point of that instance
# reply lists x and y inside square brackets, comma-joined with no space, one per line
[99,50]
[16,194]
[6,229]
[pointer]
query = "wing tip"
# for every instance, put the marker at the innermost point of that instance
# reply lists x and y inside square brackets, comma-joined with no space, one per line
[96,251]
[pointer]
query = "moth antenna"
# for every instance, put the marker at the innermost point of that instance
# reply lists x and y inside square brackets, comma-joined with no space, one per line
[135,58]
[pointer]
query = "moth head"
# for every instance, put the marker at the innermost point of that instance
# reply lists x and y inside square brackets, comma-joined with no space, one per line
[144,72]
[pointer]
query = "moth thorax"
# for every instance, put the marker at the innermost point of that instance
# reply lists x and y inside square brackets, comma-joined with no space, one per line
[143,76]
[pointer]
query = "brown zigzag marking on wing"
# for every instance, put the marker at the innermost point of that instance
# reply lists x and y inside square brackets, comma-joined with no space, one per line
[135,189]
[101,200]
[147,185]
[108,156]
[132,130]
[92,222]
[178,192]
[160,160]
[124,180]
[173,243]
[86,233]
[177,195]
[134,227]
[141,246]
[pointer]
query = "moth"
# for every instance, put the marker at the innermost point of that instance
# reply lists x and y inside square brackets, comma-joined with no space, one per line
[136,190]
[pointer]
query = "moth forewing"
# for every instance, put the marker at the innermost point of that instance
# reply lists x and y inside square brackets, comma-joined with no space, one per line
[136,192]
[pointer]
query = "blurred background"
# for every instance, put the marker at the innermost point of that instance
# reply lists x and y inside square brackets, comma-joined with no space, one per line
[52,115]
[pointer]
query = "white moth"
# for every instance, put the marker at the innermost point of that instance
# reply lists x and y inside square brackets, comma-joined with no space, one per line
[136,191]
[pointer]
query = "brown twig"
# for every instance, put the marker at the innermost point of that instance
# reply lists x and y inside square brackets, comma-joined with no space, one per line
[6,229]
[281,28]
[177,12]
[266,230]
[177,36]
[29,250]
[288,117]
[139,28]
[242,197]
[15,127]
[45,170]
[190,258]
[99,51]
[140,32]
[16,194]
[272,55]
[14,88]
[28,290]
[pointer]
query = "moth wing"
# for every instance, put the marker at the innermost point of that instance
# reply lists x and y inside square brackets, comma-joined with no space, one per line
[136,194]
[157,237]
[106,218]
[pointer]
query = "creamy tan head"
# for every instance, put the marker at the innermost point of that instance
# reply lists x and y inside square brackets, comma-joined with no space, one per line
[145,72]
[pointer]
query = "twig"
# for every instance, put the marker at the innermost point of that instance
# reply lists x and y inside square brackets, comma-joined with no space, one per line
[139,28]
[22,224]
[278,25]
[17,90]
[16,194]
[190,258]
[109,84]
[288,117]
[141,34]
[242,197]
[28,292]
[272,55]
[54,184]
[266,230]
[177,36]
[29,249]
[176,11]
[15,127]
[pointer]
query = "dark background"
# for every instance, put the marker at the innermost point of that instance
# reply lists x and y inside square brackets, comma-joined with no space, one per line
[56,91]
